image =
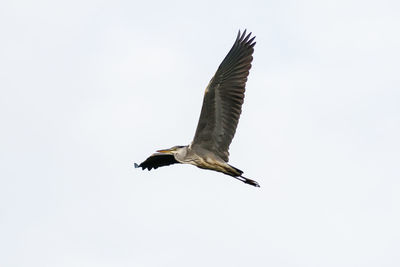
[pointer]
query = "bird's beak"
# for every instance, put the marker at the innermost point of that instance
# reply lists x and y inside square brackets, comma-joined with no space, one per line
[165,151]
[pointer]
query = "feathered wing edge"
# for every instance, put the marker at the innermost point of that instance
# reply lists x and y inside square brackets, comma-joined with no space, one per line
[157,160]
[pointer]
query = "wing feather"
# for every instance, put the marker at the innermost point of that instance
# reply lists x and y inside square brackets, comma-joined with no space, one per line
[157,160]
[222,103]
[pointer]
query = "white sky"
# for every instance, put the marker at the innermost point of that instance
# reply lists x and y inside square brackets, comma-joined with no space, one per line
[90,87]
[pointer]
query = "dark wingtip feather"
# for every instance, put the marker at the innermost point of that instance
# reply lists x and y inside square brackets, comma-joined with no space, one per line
[244,38]
[238,36]
[250,42]
[157,160]
[244,33]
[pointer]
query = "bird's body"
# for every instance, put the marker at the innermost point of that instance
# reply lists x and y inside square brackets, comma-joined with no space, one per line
[219,117]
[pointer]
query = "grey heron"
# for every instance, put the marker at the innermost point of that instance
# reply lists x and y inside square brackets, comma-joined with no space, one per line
[222,105]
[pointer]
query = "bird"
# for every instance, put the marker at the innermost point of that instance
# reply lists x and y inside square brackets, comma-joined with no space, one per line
[219,117]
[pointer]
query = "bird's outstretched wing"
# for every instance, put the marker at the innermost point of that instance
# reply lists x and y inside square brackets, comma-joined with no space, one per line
[223,99]
[157,160]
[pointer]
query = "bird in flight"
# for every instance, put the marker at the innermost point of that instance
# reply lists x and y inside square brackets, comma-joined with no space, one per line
[219,117]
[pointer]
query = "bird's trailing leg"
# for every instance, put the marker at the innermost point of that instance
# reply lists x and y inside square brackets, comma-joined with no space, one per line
[247,181]
[236,173]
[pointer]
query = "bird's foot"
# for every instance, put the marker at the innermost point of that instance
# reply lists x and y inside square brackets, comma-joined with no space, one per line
[248,181]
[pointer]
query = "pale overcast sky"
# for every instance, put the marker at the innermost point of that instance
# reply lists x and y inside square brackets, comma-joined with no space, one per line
[90,87]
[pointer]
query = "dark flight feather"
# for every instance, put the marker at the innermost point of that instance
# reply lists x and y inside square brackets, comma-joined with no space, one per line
[157,160]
